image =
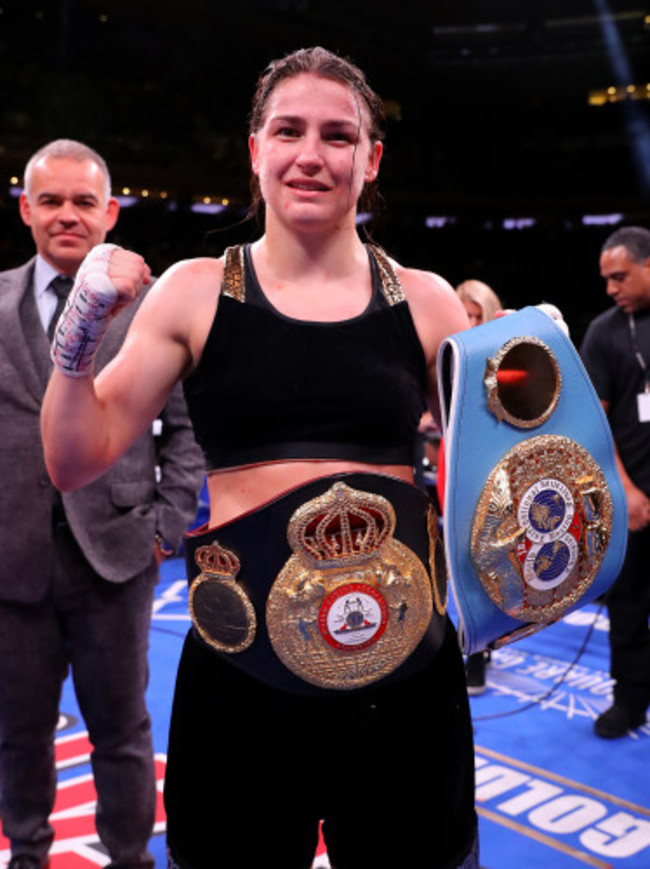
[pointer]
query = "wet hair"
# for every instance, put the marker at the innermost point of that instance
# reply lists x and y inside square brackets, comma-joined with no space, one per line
[321,62]
[67,149]
[636,239]
[482,295]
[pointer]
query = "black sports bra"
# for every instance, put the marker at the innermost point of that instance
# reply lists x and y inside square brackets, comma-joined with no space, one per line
[271,388]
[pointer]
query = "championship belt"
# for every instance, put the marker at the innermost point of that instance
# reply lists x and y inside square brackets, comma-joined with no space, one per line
[535,517]
[352,603]
[337,584]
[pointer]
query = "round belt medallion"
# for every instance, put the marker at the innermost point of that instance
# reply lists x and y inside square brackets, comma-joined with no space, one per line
[353,617]
[541,528]
[220,609]
[352,603]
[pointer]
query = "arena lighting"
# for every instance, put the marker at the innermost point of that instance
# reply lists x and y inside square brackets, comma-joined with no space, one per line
[207,207]
[618,94]
[436,222]
[519,222]
[488,29]
[601,219]
[128,197]
[637,126]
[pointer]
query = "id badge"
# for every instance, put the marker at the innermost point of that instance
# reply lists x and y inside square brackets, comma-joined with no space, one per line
[643,405]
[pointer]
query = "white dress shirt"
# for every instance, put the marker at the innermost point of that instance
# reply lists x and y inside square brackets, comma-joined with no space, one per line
[45,298]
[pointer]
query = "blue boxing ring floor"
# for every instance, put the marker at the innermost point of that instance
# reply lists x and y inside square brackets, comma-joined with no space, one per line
[548,790]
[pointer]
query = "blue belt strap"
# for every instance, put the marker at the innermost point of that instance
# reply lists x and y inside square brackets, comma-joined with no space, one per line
[480,439]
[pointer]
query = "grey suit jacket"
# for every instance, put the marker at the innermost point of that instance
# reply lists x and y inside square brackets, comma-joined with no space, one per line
[115,518]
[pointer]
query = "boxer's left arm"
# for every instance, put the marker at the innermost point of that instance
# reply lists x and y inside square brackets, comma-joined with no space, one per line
[437,312]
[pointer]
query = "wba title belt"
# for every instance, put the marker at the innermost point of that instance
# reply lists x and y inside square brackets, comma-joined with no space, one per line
[335,585]
[535,517]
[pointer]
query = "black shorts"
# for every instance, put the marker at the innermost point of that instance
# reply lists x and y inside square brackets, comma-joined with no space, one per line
[252,770]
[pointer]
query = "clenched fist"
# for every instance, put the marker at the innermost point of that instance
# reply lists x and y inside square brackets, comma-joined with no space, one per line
[109,279]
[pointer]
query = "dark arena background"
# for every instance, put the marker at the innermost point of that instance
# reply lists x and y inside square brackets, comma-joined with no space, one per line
[518,132]
[518,138]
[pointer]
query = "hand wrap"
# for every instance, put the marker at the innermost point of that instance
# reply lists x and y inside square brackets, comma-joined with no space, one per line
[86,315]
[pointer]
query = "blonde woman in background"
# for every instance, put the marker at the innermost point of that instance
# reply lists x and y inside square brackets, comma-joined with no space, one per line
[480,301]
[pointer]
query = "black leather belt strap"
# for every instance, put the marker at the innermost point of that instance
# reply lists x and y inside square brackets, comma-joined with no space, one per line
[259,541]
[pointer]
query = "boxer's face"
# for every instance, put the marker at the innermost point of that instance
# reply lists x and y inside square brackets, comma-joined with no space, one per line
[313,153]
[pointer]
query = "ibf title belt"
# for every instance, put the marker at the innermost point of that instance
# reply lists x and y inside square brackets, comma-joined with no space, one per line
[535,518]
[329,586]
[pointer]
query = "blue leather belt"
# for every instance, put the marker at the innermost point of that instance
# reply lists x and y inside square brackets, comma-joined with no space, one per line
[535,517]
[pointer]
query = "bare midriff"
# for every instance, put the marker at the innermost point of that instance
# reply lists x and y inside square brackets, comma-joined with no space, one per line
[236,491]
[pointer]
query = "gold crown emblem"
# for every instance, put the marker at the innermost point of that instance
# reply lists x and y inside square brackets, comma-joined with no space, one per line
[215,560]
[342,524]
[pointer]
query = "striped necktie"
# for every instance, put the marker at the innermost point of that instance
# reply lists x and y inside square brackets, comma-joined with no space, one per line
[61,286]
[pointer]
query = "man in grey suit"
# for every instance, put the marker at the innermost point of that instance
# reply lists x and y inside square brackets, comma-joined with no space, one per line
[77,570]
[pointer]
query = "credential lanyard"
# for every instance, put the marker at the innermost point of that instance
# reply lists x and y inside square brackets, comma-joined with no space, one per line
[637,352]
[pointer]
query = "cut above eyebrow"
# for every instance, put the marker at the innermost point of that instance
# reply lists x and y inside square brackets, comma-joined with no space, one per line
[351,126]
[299,119]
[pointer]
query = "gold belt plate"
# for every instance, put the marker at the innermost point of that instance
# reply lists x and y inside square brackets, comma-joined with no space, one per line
[220,609]
[352,603]
[541,528]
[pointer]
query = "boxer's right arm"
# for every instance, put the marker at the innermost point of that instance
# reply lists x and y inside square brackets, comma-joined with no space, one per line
[107,279]
[86,423]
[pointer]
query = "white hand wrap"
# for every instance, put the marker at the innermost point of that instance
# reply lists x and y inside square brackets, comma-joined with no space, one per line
[86,315]
[555,314]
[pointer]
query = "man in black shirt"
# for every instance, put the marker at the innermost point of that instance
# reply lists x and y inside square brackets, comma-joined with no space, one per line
[616,353]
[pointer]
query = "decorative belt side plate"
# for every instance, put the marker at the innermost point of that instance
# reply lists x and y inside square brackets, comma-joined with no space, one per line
[352,603]
[541,528]
[220,609]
